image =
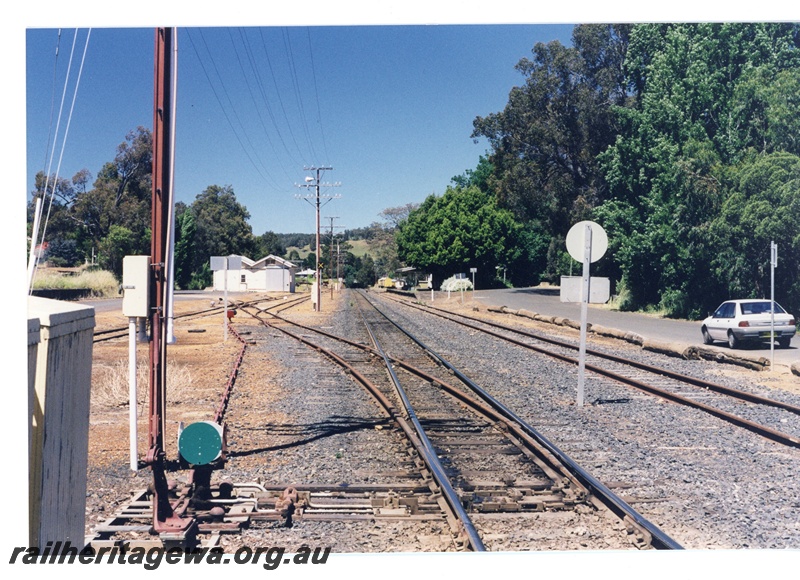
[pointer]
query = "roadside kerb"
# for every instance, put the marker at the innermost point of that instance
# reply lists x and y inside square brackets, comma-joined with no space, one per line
[679,350]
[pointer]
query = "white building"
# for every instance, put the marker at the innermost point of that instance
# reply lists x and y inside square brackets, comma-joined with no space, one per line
[269,274]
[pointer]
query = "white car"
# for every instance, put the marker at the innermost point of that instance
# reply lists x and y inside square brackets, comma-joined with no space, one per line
[736,321]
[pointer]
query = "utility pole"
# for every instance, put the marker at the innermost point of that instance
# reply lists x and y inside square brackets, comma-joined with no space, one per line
[338,261]
[316,183]
[330,251]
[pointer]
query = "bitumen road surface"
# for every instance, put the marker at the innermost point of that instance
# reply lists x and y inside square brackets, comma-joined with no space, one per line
[546,300]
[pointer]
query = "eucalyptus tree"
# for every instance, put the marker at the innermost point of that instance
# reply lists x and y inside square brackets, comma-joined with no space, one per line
[221,229]
[546,141]
[763,206]
[704,99]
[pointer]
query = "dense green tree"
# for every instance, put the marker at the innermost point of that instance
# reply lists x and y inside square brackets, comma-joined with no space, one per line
[479,177]
[546,141]
[702,103]
[311,261]
[763,207]
[63,252]
[221,227]
[121,194]
[464,229]
[120,242]
[184,246]
[337,254]
[57,224]
[268,243]
[201,278]
[360,272]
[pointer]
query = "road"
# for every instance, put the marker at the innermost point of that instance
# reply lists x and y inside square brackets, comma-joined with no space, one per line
[546,300]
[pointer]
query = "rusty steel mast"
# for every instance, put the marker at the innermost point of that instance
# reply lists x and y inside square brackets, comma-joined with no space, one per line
[166,517]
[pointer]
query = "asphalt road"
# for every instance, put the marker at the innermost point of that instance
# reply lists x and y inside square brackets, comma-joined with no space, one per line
[546,300]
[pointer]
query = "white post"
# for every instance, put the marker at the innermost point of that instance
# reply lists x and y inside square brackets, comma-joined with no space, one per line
[34,239]
[773,264]
[225,312]
[587,257]
[473,285]
[430,281]
[170,302]
[171,282]
[132,404]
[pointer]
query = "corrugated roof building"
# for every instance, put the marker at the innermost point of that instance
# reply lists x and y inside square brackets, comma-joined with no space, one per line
[269,274]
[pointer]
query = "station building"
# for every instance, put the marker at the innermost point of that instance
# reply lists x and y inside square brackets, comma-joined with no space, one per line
[269,274]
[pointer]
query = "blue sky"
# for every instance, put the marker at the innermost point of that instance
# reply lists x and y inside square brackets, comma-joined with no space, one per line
[395,106]
[390,108]
[385,94]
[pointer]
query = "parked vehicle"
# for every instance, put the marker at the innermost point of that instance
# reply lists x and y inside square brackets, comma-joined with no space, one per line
[456,283]
[737,321]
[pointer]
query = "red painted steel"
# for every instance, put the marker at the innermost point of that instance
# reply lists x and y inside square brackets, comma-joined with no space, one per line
[166,517]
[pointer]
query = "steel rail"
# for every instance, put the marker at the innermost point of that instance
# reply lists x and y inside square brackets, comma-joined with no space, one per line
[122,331]
[413,437]
[429,451]
[750,397]
[226,394]
[764,431]
[616,504]
[537,442]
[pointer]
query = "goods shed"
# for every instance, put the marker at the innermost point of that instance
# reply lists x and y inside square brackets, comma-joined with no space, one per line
[269,274]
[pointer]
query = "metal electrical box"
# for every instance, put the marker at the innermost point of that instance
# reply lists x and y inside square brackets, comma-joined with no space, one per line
[136,286]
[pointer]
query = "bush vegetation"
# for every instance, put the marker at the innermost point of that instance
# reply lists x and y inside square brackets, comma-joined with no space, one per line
[101,282]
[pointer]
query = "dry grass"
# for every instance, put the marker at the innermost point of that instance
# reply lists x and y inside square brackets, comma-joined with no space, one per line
[110,383]
[101,282]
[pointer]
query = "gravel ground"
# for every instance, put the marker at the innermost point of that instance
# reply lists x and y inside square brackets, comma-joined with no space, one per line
[295,418]
[708,484]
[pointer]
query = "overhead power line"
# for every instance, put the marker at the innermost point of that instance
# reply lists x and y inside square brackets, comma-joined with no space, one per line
[33,259]
[316,95]
[240,133]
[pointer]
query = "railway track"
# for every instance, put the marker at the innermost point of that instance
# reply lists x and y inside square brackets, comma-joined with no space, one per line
[484,461]
[432,456]
[122,331]
[750,411]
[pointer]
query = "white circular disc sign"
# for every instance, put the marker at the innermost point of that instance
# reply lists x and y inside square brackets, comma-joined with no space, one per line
[576,242]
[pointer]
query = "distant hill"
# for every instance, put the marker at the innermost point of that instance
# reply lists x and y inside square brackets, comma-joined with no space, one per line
[297,240]
[359,248]
[304,244]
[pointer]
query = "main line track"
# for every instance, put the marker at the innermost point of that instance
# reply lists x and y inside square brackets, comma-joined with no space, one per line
[436,434]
